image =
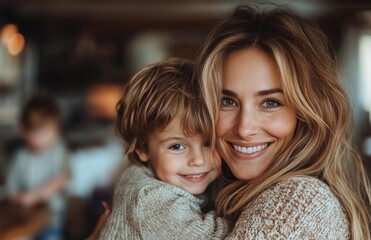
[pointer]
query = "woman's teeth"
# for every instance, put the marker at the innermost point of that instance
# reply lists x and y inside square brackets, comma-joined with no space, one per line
[250,150]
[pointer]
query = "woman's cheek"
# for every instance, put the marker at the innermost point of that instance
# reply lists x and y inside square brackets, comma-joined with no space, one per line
[224,123]
[281,125]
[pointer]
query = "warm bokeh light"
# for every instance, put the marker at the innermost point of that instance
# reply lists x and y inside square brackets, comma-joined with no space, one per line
[12,39]
[102,99]
[7,33]
[16,44]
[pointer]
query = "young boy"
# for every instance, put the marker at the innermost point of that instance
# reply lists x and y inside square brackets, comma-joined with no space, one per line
[166,129]
[39,171]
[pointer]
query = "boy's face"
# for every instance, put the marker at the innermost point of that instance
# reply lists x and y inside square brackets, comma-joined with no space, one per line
[42,138]
[183,161]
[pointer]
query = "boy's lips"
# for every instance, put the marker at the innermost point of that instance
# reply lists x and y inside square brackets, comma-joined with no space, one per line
[197,177]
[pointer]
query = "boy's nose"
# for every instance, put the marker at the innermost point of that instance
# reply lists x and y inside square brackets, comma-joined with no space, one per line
[196,159]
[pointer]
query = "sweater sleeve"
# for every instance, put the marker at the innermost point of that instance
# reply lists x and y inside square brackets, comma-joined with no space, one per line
[167,214]
[298,208]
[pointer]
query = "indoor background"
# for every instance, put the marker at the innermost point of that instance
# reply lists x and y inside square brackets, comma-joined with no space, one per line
[83,51]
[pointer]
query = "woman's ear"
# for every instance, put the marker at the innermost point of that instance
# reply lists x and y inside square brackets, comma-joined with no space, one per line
[143,155]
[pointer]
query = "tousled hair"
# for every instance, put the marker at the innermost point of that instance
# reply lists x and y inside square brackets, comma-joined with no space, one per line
[153,98]
[322,145]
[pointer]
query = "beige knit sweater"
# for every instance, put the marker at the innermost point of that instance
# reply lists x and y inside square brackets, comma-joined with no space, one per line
[297,208]
[146,208]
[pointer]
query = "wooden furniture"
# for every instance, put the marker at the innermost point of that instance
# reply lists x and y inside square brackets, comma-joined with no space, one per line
[17,222]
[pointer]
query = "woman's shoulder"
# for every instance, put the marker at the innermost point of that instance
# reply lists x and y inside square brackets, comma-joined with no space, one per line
[298,207]
[302,193]
[303,187]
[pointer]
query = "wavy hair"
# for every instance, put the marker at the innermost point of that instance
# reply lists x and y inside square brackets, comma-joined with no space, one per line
[322,146]
[155,96]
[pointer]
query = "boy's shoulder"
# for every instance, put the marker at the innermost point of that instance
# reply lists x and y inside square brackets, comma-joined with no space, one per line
[140,182]
[135,174]
[139,178]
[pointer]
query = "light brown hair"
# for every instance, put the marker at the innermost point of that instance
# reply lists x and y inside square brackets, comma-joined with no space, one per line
[322,146]
[153,98]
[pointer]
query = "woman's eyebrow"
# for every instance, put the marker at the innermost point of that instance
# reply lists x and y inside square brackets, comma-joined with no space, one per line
[229,93]
[260,93]
[269,91]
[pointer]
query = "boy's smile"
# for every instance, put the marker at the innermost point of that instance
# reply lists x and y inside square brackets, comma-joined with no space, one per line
[184,161]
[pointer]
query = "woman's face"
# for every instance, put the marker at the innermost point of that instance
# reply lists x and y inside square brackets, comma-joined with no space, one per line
[255,121]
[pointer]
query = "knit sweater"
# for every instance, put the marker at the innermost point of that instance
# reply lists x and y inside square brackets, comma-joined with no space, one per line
[146,208]
[297,208]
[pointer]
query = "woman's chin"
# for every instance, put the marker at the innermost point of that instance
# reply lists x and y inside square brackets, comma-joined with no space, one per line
[243,174]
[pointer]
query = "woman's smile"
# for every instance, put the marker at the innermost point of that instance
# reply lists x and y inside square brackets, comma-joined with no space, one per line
[255,121]
[249,151]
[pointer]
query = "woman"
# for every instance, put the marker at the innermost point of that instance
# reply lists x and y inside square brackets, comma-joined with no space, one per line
[283,128]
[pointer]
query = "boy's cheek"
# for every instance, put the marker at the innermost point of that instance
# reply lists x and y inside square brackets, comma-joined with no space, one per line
[217,160]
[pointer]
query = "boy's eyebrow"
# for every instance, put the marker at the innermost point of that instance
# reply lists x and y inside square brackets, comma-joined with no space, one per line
[260,93]
[171,138]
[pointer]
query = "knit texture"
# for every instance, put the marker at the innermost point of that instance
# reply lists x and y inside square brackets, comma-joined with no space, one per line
[297,208]
[146,208]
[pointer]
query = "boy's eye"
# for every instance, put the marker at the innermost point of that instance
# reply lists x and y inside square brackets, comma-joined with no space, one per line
[207,144]
[177,147]
[228,102]
[271,103]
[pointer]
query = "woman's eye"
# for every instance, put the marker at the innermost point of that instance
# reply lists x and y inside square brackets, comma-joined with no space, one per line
[271,103]
[228,102]
[177,147]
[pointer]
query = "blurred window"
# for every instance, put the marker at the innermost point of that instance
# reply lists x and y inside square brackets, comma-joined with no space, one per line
[365,69]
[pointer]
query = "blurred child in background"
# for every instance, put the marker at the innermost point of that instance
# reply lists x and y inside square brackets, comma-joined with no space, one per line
[40,170]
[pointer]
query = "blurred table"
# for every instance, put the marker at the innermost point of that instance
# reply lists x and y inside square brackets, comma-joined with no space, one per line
[20,223]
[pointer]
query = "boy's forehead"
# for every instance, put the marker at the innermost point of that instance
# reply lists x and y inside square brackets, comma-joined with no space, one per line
[174,125]
[174,130]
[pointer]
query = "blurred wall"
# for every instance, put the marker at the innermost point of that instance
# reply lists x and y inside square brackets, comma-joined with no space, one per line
[74,47]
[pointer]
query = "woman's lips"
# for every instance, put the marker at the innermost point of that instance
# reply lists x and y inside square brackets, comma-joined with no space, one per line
[249,152]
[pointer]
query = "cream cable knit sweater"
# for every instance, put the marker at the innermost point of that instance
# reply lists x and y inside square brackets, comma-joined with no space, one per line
[297,208]
[146,208]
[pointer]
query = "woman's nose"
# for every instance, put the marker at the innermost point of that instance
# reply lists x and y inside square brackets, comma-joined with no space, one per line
[247,124]
[196,158]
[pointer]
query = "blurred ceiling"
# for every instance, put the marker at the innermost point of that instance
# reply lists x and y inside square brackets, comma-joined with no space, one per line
[147,13]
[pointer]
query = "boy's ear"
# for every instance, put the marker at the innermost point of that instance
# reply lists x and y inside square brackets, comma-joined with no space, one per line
[143,155]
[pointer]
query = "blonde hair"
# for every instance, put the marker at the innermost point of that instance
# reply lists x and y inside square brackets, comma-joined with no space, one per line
[153,98]
[322,145]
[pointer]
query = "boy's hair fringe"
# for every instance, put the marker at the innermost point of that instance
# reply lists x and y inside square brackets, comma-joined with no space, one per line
[153,98]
